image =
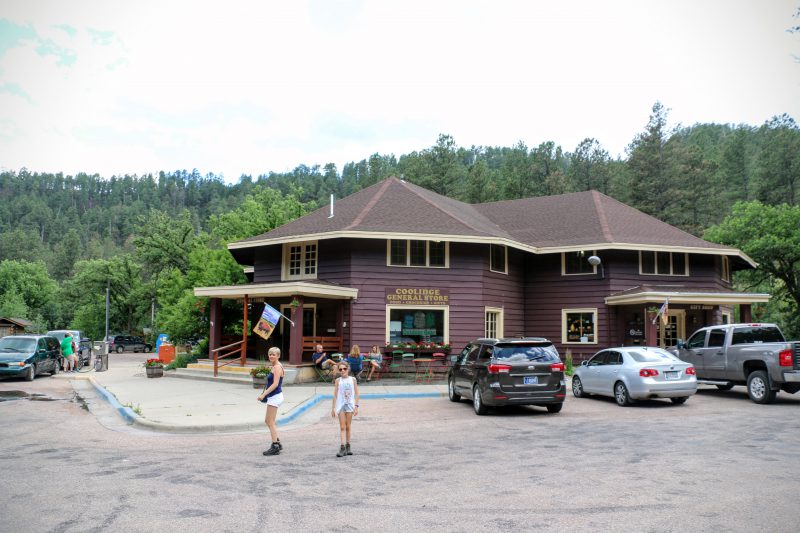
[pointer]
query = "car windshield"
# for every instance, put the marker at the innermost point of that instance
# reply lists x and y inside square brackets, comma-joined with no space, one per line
[652,356]
[12,344]
[543,352]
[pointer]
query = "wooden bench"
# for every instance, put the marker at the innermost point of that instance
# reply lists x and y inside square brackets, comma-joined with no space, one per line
[330,345]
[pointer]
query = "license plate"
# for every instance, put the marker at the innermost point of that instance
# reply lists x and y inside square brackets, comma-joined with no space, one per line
[531,380]
[672,374]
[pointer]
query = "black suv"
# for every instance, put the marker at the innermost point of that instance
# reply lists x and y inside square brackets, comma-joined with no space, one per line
[120,343]
[497,372]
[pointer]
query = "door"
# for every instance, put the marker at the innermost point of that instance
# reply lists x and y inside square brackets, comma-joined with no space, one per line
[714,354]
[674,329]
[309,324]
[465,371]
[692,352]
[591,377]
[608,372]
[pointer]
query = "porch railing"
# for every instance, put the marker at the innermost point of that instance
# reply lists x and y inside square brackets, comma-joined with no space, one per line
[232,349]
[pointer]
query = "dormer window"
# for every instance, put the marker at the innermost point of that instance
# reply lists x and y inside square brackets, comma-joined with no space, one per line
[300,260]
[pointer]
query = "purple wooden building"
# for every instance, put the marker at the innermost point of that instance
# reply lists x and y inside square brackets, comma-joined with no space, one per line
[397,263]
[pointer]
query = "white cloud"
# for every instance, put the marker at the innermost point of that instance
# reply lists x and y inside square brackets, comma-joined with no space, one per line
[249,87]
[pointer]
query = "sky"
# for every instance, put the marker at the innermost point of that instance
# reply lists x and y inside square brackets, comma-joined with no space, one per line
[240,87]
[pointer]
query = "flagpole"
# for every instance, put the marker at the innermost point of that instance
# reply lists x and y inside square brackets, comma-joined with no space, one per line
[286,317]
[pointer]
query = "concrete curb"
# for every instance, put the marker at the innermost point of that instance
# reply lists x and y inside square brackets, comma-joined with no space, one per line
[132,418]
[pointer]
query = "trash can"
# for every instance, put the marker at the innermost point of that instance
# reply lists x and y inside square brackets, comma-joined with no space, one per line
[166,352]
[101,359]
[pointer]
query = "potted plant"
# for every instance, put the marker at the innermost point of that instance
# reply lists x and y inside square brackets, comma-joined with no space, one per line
[259,374]
[154,368]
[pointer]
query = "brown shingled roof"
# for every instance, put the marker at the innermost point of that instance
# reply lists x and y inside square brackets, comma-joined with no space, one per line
[575,219]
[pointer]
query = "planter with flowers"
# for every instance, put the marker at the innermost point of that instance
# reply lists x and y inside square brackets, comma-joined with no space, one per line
[154,368]
[260,374]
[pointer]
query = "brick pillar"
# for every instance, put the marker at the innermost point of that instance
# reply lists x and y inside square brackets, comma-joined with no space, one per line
[650,330]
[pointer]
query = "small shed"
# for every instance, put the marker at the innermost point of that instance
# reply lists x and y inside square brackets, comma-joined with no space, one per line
[13,326]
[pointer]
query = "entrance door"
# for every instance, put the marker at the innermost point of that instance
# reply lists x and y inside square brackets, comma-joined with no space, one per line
[675,328]
[309,323]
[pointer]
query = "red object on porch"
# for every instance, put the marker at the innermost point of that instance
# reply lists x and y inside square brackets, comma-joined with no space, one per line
[166,352]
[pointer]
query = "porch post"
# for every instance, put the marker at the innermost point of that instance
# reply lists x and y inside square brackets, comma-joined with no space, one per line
[650,329]
[746,312]
[215,325]
[340,325]
[296,338]
[244,331]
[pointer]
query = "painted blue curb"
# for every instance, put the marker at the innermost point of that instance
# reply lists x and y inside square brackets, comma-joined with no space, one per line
[314,400]
[125,412]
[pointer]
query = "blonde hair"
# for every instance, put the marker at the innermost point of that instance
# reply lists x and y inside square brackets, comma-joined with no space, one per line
[355,350]
[274,350]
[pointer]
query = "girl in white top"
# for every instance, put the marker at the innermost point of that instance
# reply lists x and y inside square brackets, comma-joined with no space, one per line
[345,405]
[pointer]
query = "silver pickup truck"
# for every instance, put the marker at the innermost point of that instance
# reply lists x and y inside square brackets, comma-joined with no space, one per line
[756,355]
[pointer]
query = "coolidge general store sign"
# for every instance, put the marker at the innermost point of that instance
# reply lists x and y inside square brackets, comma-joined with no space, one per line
[417,296]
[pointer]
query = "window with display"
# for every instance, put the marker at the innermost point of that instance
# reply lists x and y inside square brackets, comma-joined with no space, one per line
[579,326]
[417,325]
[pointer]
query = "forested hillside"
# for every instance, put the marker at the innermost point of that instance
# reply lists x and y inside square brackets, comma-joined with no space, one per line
[153,236]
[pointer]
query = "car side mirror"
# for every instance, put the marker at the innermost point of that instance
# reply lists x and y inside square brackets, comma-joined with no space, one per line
[584,363]
[681,344]
[453,358]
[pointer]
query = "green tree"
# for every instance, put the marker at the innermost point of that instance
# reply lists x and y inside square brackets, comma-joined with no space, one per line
[648,165]
[26,289]
[770,235]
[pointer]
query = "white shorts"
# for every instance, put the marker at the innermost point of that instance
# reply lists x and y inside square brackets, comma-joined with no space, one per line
[275,401]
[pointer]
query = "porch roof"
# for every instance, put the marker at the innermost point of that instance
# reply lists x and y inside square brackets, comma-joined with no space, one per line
[656,294]
[313,289]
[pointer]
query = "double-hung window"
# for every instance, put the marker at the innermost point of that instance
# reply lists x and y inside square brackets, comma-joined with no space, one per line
[417,253]
[300,260]
[663,263]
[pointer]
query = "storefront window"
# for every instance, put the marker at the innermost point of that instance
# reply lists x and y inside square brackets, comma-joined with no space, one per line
[417,325]
[579,326]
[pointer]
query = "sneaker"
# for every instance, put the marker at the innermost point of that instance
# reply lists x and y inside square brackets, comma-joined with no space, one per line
[273,450]
[342,451]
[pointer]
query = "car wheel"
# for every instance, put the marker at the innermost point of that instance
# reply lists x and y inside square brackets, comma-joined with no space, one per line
[56,368]
[679,401]
[451,390]
[621,395]
[148,348]
[758,387]
[477,401]
[727,386]
[120,349]
[31,373]
[577,387]
[555,407]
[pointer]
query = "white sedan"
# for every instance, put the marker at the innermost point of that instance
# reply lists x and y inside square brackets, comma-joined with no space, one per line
[635,373]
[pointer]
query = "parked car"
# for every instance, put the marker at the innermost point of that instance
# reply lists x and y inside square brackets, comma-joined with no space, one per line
[498,372]
[29,355]
[84,344]
[635,373]
[755,355]
[121,343]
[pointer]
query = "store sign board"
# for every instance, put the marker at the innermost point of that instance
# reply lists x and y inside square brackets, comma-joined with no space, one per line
[417,296]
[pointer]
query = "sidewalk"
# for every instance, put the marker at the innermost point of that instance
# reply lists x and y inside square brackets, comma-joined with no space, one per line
[194,406]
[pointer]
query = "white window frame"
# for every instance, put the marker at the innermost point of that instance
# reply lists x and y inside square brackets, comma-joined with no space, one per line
[505,259]
[304,250]
[408,254]
[286,309]
[655,264]
[564,264]
[498,311]
[565,312]
[445,308]
[725,268]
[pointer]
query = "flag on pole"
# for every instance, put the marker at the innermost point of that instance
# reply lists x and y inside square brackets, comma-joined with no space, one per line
[266,324]
[663,312]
